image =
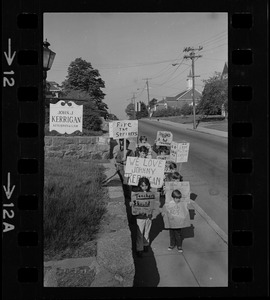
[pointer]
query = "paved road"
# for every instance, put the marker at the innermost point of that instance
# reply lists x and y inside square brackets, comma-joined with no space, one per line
[204,262]
[206,169]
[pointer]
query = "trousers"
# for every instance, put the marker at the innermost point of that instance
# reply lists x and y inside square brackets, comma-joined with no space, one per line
[175,237]
[143,229]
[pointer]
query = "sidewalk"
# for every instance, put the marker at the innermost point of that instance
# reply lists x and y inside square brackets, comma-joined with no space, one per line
[204,262]
[189,126]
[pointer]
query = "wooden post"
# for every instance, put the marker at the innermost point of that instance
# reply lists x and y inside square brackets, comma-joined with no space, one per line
[125,150]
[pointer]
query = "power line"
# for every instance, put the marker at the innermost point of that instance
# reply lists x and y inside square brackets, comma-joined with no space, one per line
[170,75]
[216,40]
[214,47]
[174,77]
[205,41]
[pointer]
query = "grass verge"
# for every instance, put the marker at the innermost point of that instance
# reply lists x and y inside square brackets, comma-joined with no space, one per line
[74,204]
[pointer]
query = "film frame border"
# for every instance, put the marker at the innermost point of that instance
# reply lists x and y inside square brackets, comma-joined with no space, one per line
[24,158]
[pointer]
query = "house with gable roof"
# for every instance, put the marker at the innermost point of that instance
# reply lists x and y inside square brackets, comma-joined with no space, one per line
[184,97]
[53,89]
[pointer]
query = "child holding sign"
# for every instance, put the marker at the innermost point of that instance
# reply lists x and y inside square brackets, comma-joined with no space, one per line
[143,142]
[175,176]
[176,216]
[144,221]
[121,160]
[142,152]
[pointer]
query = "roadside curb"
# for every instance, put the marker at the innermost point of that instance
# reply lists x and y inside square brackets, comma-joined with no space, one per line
[211,223]
[201,129]
[210,131]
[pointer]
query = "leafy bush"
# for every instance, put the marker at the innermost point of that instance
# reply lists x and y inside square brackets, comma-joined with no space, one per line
[74,203]
[186,109]
[167,112]
[91,122]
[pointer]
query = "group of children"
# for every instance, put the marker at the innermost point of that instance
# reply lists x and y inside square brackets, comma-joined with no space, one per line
[173,210]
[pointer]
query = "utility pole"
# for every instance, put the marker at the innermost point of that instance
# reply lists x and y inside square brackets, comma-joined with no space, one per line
[147,91]
[192,56]
[134,111]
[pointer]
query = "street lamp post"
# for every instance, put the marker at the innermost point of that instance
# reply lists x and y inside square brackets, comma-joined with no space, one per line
[48,58]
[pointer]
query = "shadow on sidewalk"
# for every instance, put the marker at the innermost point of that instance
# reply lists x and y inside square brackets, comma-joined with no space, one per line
[146,272]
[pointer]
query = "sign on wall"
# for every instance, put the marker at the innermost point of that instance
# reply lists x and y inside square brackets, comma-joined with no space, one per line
[164,138]
[179,152]
[144,203]
[123,129]
[153,169]
[66,117]
[182,186]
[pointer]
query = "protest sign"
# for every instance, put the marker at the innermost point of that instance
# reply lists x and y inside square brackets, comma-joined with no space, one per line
[179,152]
[182,186]
[164,138]
[153,169]
[165,157]
[176,215]
[123,129]
[144,202]
[66,117]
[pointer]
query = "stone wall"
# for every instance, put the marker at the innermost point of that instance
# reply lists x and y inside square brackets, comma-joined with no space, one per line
[81,147]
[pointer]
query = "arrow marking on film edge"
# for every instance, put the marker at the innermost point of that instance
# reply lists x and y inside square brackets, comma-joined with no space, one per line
[8,56]
[7,190]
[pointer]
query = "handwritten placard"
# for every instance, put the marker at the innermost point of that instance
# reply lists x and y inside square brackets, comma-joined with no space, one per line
[123,129]
[179,152]
[182,186]
[153,169]
[164,138]
[176,215]
[144,202]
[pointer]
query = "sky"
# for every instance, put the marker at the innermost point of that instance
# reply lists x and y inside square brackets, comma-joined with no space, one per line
[128,48]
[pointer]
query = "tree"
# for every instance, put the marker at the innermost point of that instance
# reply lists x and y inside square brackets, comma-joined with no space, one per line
[84,78]
[186,109]
[130,111]
[91,112]
[153,102]
[112,117]
[143,113]
[214,95]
